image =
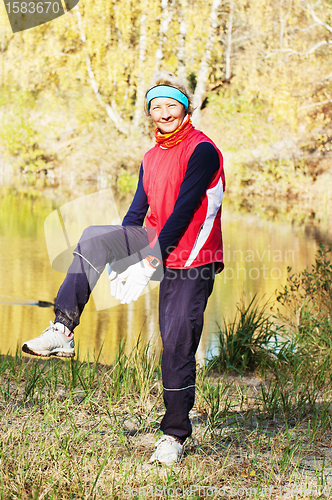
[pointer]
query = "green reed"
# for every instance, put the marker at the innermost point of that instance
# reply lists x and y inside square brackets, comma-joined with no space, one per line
[245,342]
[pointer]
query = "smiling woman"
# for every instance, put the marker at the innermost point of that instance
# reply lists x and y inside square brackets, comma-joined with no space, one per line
[165,84]
[178,198]
[167,114]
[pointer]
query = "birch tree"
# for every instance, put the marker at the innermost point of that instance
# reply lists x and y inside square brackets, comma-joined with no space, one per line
[166,17]
[109,51]
[181,52]
[111,110]
[205,62]
[141,60]
[229,41]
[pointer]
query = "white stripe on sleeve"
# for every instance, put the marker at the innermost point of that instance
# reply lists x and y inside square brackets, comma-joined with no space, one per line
[215,196]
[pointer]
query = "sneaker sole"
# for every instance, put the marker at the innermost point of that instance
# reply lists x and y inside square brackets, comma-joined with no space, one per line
[155,458]
[161,462]
[47,354]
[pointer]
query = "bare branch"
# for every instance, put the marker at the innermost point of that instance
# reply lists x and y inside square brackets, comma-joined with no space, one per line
[324,79]
[292,51]
[315,104]
[79,23]
[315,18]
[308,28]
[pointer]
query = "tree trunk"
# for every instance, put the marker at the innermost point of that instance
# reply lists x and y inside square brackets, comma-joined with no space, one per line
[229,41]
[204,66]
[181,54]
[166,17]
[140,77]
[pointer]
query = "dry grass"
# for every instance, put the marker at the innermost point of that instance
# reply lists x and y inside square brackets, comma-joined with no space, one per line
[84,430]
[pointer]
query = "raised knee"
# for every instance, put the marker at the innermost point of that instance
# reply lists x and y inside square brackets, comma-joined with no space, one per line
[89,232]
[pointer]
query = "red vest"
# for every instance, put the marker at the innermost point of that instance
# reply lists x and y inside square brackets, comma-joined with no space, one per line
[163,173]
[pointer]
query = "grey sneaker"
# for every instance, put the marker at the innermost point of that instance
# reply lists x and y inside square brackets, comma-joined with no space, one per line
[52,342]
[168,450]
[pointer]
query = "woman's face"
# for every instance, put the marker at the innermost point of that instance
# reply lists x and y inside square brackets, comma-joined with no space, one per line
[167,113]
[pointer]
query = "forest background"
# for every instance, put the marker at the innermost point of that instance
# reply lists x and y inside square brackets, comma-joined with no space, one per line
[72,91]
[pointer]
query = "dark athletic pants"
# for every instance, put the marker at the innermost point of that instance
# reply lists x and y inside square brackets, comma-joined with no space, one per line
[183,297]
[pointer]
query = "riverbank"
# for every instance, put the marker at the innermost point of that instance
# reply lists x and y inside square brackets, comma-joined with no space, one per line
[262,420]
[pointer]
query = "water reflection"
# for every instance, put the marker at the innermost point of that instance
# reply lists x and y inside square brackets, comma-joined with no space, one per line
[257,254]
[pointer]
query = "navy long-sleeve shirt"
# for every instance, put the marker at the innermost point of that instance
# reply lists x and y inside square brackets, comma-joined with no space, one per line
[202,165]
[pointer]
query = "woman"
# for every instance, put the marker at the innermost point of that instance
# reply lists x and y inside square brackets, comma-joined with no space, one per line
[181,182]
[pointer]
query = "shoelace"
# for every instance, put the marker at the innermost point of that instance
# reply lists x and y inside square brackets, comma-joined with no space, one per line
[47,329]
[170,439]
[53,328]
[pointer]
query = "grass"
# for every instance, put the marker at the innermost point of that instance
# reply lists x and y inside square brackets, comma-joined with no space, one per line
[83,430]
[244,343]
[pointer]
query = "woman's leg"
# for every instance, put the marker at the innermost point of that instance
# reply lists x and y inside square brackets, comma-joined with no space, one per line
[182,300]
[118,245]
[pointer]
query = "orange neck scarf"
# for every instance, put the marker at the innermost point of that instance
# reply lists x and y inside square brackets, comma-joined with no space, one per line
[173,138]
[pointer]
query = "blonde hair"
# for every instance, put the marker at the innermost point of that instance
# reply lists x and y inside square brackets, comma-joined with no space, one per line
[166,78]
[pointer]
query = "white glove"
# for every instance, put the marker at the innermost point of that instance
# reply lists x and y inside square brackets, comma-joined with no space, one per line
[115,280]
[138,276]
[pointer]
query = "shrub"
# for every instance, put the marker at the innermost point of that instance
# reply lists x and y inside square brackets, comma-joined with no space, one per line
[309,290]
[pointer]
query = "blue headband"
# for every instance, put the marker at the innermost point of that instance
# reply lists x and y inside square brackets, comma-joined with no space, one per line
[167,91]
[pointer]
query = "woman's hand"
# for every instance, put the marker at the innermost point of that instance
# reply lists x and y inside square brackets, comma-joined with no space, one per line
[129,285]
[115,280]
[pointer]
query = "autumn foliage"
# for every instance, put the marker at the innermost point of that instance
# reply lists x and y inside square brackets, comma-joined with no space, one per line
[259,71]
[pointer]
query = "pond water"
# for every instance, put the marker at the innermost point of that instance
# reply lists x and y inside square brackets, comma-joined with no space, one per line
[256,253]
